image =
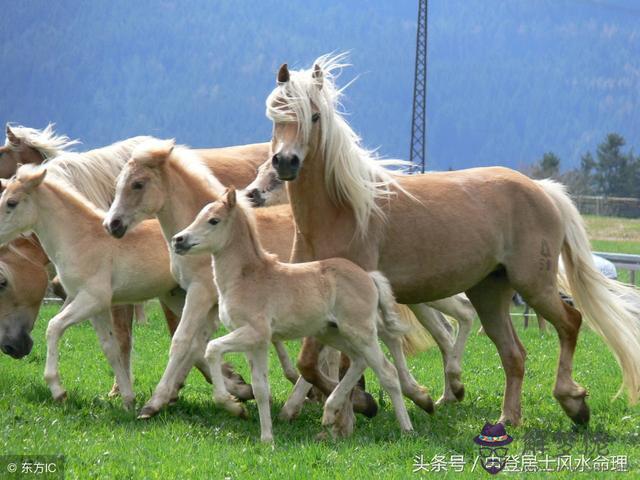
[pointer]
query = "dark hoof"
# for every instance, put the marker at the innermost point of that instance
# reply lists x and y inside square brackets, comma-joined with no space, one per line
[427,405]
[582,416]
[173,401]
[459,393]
[364,403]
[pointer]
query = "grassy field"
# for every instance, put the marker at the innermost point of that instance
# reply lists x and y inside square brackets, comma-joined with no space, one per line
[194,439]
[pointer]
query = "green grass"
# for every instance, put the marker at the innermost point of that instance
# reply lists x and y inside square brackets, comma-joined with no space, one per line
[194,439]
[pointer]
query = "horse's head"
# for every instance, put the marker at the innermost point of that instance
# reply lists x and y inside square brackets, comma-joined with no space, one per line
[266,189]
[16,151]
[210,230]
[23,284]
[18,211]
[140,192]
[296,106]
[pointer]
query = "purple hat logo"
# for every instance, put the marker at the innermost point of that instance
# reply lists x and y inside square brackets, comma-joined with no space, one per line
[493,451]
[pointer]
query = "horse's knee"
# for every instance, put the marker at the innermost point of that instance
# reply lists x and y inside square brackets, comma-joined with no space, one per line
[212,351]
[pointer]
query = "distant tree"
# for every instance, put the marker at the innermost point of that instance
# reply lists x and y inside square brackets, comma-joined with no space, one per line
[614,172]
[547,167]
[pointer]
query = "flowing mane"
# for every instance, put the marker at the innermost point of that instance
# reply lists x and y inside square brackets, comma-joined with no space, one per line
[45,141]
[354,175]
[62,188]
[93,174]
[189,163]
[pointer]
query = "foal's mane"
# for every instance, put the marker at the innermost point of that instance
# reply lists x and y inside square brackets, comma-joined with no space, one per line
[62,188]
[244,209]
[93,174]
[354,175]
[45,141]
[190,165]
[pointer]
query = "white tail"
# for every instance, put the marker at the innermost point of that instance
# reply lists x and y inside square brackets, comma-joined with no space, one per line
[610,308]
[387,305]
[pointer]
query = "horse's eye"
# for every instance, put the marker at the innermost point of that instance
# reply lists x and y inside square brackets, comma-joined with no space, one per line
[3,284]
[12,203]
[315,117]
[137,185]
[214,221]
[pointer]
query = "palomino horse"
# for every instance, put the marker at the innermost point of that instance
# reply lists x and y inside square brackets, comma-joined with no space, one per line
[23,284]
[94,269]
[267,189]
[262,299]
[484,231]
[94,173]
[168,182]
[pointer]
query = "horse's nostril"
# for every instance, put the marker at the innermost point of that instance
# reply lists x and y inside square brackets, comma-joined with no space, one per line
[295,161]
[275,160]
[115,224]
[8,349]
[253,194]
[179,239]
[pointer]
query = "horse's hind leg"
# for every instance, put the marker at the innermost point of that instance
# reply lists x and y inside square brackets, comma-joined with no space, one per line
[433,322]
[460,308]
[122,316]
[567,321]
[308,365]
[103,326]
[491,299]
[410,388]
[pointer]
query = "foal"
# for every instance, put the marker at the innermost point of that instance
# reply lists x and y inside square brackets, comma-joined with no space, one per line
[263,300]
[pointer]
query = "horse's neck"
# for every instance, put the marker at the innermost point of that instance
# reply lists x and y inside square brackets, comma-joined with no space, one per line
[184,200]
[241,254]
[61,221]
[314,211]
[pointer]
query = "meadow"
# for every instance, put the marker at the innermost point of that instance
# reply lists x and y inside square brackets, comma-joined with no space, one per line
[194,439]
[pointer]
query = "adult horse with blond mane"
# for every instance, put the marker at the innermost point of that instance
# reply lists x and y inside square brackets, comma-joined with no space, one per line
[484,231]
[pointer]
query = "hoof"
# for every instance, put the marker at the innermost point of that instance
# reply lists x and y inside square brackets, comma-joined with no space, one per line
[147,412]
[426,404]
[173,401]
[364,403]
[60,398]
[582,416]
[235,408]
[459,393]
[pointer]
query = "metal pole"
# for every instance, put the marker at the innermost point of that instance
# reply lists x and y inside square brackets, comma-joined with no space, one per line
[418,119]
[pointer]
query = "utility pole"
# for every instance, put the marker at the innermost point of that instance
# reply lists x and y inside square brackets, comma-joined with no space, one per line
[417,154]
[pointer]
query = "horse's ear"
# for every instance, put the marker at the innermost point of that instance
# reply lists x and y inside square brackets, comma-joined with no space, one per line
[13,139]
[159,154]
[231,197]
[318,76]
[34,180]
[283,74]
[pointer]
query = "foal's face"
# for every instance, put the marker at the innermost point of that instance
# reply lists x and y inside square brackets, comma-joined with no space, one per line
[23,284]
[266,189]
[295,130]
[139,196]
[209,231]
[18,212]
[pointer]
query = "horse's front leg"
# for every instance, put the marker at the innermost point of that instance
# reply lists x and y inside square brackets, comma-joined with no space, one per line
[195,327]
[243,339]
[80,308]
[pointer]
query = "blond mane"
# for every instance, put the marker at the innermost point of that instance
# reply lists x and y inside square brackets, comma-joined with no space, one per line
[61,187]
[354,175]
[93,174]
[45,141]
[191,165]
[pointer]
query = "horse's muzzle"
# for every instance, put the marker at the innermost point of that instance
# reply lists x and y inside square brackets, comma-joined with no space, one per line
[286,166]
[116,228]
[17,347]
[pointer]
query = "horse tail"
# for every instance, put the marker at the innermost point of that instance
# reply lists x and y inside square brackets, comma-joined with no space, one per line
[417,339]
[387,305]
[610,308]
